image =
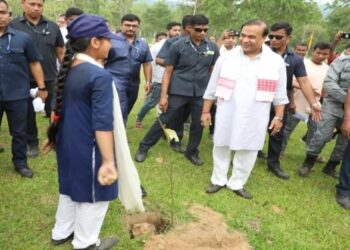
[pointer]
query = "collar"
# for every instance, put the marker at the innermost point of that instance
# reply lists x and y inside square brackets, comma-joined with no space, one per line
[87,58]
[9,30]
[287,52]
[136,40]
[188,39]
[24,19]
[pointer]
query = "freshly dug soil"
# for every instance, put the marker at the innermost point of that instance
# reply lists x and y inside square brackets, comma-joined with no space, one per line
[209,232]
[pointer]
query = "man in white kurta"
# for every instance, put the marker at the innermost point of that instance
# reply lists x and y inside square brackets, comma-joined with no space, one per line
[244,83]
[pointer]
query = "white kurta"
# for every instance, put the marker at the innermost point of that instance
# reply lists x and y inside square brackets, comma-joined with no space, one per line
[241,122]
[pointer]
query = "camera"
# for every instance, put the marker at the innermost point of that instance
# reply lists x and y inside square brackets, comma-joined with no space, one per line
[233,32]
[345,35]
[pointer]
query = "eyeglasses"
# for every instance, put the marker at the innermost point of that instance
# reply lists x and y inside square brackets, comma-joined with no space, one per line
[278,37]
[134,26]
[199,30]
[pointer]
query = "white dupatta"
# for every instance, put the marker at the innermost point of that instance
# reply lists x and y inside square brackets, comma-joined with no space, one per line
[129,190]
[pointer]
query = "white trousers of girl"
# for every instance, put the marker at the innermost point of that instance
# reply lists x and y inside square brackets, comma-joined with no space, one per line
[242,163]
[83,218]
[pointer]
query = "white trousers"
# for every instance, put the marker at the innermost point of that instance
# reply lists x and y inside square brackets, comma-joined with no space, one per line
[243,163]
[83,218]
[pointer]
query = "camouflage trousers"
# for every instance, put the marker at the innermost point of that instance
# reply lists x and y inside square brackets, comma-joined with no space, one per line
[324,134]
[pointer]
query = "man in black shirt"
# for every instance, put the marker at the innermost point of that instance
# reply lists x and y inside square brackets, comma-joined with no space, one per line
[49,41]
[187,72]
[279,35]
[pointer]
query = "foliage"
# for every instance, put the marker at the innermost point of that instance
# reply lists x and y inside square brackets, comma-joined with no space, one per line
[304,15]
[113,10]
[300,213]
[155,18]
[338,19]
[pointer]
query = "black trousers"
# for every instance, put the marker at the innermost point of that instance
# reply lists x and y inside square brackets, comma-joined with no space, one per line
[178,124]
[275,142]
[343,188]
[175,104]
[50,86]
[32,129]
[16,113]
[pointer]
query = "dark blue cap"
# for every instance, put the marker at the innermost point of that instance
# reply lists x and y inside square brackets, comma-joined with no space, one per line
[89,26]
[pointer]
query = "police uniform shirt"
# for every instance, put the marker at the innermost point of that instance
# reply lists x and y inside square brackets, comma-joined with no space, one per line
[17,50]
[125,59]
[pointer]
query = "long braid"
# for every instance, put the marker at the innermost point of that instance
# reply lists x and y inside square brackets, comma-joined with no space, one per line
[62,74]
[73,46]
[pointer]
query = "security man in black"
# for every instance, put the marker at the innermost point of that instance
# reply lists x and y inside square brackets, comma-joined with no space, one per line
[187,72]
[18,57]
[49,41]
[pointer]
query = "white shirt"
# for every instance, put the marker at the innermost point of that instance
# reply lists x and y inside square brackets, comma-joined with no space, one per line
[157,70]
[241,122]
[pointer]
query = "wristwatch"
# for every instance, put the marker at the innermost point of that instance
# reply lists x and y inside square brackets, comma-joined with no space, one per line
[278,118]
[42,89]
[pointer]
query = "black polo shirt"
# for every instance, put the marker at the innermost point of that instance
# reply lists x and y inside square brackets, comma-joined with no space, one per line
[163,52]
[46,36]
[295,67]
[192,66]
[17,50]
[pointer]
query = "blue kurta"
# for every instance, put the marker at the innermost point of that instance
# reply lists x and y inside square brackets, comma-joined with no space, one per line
[87,107]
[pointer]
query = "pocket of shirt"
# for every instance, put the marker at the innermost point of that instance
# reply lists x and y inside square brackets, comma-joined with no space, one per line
[16,56]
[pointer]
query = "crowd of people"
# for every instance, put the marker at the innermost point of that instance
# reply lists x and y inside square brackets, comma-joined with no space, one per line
[245,84]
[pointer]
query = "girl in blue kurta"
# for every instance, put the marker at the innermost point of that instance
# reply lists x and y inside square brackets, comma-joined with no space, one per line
[82,135]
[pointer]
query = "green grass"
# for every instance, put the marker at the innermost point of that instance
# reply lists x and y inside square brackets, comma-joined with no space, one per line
[306,217]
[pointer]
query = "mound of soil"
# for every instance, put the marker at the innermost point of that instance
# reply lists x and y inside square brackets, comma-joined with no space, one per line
[209,232]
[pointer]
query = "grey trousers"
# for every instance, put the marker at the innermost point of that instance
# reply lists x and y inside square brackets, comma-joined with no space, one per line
[292,123]
[324,134]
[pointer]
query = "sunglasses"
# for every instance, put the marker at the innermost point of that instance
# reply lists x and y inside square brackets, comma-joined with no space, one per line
[275,36]
[199,30]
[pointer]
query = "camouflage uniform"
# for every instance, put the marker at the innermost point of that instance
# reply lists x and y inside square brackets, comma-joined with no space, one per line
[335,85]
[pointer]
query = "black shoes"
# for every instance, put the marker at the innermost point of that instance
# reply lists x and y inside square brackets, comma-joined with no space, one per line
[330,167]
[143,192]
[177,147]
[140,155]
[262,155]
[194,159]
[59,242]
[24,171]
[304,171]
[32,151]
[343,201]
[213,188]
[279,173]
[243,193]
[308,164]
[331,172]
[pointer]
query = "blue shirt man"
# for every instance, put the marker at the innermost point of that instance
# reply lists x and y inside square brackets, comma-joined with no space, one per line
[280,35]
[18,58]
[124,62]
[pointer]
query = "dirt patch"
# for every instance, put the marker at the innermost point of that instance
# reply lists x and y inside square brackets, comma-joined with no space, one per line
[208,233]
[145,224]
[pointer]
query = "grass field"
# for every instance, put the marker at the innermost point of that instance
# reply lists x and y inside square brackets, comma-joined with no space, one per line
[300,213]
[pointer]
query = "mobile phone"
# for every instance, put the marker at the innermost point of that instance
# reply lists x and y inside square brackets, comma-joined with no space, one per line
[345,35]
[233,32]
